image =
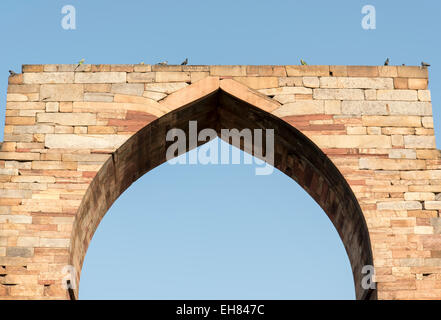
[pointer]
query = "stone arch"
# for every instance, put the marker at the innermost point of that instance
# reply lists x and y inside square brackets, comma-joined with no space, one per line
[224,103]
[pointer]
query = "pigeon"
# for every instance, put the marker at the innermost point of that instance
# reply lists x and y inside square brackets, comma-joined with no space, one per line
[386,63]
[12,73]
[79,63]
[185,62]
[303,63]
[424,64]
[164,63]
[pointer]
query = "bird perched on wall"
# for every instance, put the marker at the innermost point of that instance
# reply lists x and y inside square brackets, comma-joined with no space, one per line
[386,63]
[12,73]
[424,64]
[141,63]
[185,62]
[303,62]
[164,63]
[80,63]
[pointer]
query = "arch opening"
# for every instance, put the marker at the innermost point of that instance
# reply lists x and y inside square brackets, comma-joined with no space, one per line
[294,154]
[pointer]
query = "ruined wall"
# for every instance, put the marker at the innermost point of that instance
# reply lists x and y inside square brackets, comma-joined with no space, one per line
[63,122]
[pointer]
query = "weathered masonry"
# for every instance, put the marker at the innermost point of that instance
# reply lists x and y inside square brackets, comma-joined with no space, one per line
[358,139]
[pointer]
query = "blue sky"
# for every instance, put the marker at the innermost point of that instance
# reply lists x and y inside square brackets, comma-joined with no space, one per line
[218,231]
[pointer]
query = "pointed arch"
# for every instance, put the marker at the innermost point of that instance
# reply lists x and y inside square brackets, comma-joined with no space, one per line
[224,103]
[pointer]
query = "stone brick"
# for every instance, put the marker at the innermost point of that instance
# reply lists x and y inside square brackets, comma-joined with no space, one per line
[104,97]
[356,130]
[332,106]
[100,77]
[387,71]
[19,120]
[311,82]
[391,164]
[412,72]
[140,77]
[196,76]
[419,142]
[142,68]
[399,205]
[401,83]
[54,243]
[418,84]
[356,83]
[338,94]
[427,122]
[67,118]
[364,107]
[391,121]
[286,90]
[402,153]
[399,95]
[72,141]
[268,71]
[48,77]
[432,205]
[166,88]
[19,252]
[424,95]
[374,130]
[62,92]
[52,106]
[97,87]
[300,71]
[172,77]
[228,71]
[419,196]
[300,107]
[410,108]
[259,82]
[354,141]
[362,71]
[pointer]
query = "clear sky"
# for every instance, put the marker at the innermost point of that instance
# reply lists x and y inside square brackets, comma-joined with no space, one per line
[193,231]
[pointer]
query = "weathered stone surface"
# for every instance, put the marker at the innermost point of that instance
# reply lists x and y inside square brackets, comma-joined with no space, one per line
[62,92]
[141,77]
[356,83]
[399,205]
[67,118]
[48,77]
[364,108]
[420,142]
[136,89]
[410,108]
[73,141]
[297,108]
[338,94]
[359,141]
[392,121]
[100,77]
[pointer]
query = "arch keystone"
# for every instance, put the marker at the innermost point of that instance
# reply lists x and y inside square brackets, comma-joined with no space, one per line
[248,95]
